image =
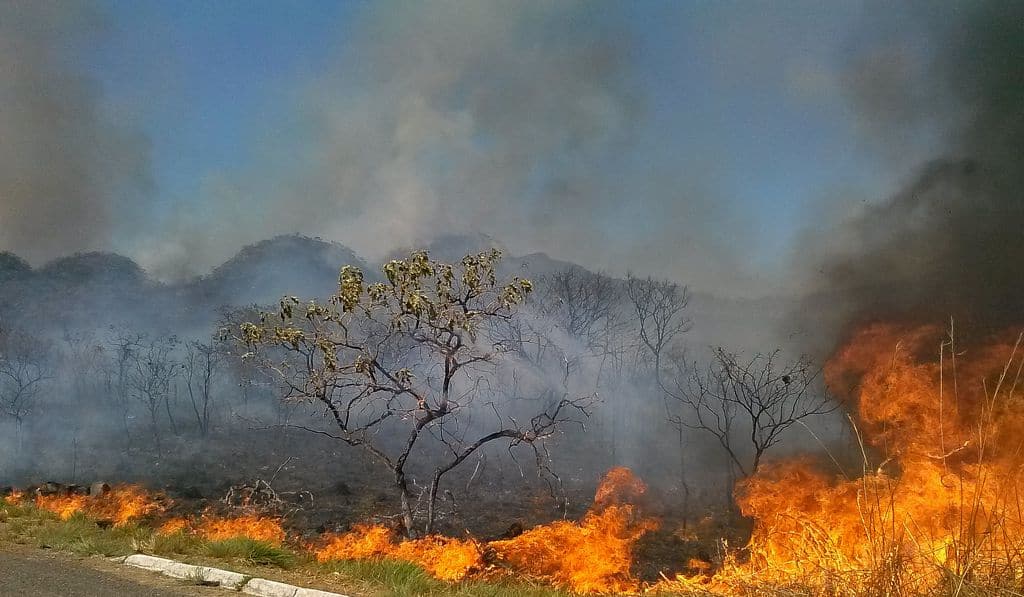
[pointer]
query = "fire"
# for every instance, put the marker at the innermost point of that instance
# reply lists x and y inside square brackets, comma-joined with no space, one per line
[64,506]
[945,500]
[590,556]
[445,558]
[125,503]
[121,505]
[252,526]
[175,525]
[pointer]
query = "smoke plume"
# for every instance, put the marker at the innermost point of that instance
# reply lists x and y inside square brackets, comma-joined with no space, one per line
[66,170]
[442,117]
[949,244]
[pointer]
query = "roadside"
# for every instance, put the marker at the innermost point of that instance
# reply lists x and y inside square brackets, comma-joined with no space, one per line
[26,570]
[56,553]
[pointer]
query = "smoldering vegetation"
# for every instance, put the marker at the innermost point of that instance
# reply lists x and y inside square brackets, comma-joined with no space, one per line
[108,374]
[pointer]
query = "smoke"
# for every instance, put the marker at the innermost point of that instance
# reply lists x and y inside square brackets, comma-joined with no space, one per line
[67,171]
[948,244]
[513,119]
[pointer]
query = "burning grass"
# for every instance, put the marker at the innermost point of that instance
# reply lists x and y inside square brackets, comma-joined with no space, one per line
[120,505]
[591,556]
[940,514]
[444,558]
[247,526]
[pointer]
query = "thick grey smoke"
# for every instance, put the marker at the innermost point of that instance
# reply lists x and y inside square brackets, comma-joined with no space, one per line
[67,170]
[950,243]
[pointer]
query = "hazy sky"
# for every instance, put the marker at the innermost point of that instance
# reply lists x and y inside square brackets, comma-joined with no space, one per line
[699,140]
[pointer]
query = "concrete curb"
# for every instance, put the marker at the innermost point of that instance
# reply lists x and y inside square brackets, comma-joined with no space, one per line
[223,578]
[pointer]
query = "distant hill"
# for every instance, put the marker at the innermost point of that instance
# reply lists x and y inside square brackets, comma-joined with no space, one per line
[96,290]
[264,272]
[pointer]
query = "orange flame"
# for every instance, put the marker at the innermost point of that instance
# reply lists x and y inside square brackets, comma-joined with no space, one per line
[125,503]
[121,505]
[64,506]
[945,500]
[252,526]
[591,556]
[175,525]
[445,558]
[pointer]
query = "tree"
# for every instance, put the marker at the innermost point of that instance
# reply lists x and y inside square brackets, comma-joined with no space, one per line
[24,369]
[660,308]
[201,365]
[661,318]
[123,346]
[750,402]
[152,370]
[409,358]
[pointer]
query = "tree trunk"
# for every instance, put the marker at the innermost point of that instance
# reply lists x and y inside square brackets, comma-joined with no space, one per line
[432,502]
[407,519]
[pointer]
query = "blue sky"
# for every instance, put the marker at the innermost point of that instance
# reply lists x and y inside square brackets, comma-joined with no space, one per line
[720,134]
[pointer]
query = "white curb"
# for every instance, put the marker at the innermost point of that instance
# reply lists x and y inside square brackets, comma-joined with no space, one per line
[268,588]
[226,579]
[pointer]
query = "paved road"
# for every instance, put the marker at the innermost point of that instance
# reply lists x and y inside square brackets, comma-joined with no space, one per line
[32,572]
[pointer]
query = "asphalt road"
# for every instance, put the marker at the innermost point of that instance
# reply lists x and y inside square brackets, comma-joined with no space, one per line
[32,572]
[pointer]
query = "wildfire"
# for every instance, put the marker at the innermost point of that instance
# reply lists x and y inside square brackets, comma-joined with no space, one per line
[125,503]
[121,505]
[590,556]
[945,500]
[175,525]
[64,506]
[445,558]
[940,497]
[252,526]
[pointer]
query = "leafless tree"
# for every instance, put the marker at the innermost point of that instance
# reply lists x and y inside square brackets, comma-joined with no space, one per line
[408,358]
[660,308]
[201,366]
[122,347]
[83,365]
[24,369]
[748,404]
[151,374]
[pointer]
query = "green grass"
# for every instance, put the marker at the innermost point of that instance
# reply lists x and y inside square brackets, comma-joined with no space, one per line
[180,543]
[250,551]
[82,536]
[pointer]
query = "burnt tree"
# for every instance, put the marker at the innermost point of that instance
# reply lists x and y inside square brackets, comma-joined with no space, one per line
[747,404]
